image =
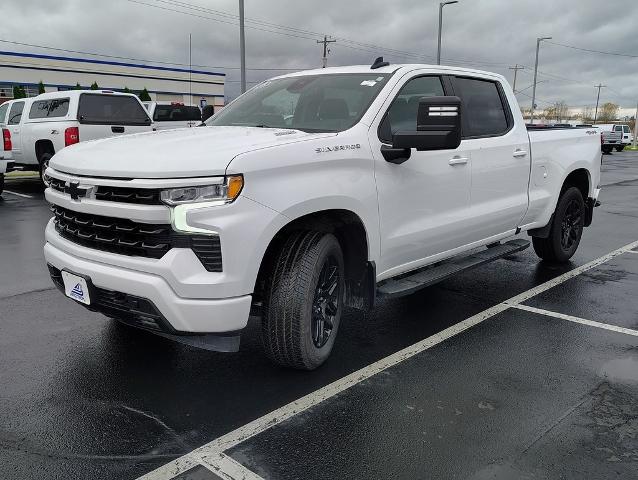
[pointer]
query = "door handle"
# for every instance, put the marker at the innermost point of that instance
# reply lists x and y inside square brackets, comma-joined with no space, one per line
[519,153]
[456,160]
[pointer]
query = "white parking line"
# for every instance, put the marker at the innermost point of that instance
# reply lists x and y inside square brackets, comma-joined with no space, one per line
[24,195]
[211,453]
[582,321]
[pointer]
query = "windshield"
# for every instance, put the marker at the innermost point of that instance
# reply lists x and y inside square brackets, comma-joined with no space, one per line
[312,103]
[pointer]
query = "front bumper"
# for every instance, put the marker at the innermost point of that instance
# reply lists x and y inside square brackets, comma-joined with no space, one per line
[183,315]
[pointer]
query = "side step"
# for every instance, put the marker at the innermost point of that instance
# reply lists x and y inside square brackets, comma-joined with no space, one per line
[411,282]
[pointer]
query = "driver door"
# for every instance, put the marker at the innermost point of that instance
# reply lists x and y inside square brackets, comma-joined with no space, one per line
[424,203]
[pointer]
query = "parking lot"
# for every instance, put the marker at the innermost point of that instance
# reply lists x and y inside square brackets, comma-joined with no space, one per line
[517,369]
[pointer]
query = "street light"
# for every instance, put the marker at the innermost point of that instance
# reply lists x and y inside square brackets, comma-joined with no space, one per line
[538,45]
[441,5]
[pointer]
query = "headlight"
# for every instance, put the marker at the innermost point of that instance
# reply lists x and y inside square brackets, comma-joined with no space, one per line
[225,192]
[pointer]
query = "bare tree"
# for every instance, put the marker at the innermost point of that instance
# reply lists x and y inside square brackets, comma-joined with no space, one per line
[587,114]
[607,112]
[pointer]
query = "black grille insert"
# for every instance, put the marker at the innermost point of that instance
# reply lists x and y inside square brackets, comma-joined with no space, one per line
[126,237]
[144,196]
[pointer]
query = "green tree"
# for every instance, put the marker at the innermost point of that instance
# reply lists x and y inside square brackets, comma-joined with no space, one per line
[19,92]
[40,87]
[77,87]
[126,90]
[94,86]
[144,95]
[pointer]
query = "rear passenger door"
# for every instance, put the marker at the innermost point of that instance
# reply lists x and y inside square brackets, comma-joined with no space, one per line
[500,157]
[13,123]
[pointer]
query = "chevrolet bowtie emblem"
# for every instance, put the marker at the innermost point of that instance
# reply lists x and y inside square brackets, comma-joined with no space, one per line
[74,190]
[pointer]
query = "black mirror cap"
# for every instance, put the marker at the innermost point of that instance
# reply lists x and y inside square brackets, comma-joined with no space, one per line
[438,126]
[207,112]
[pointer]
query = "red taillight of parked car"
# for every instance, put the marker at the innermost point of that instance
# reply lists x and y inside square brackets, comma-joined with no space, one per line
[71,136]
[6,140]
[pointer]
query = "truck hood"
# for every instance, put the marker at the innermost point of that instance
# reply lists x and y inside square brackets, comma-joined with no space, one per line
[184,152]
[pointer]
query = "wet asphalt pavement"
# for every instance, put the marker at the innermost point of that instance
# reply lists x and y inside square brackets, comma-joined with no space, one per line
[521,395]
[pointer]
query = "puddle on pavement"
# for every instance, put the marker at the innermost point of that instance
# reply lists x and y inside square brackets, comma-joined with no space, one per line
[622,369]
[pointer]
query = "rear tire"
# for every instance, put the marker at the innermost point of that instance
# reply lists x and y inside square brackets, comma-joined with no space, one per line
[1,183]
[566,230]
[620,149]
[44,163]
[303,302]
[607,150]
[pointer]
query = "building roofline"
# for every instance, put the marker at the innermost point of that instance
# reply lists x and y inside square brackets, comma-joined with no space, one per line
[108,62]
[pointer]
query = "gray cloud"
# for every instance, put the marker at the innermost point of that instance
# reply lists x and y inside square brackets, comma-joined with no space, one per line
[487,34]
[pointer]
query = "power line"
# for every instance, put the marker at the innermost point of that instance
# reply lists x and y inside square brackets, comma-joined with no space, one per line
[594,51]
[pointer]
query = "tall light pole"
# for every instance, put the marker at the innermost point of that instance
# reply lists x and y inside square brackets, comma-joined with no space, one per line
[242,46]
[441,5]
[599,86]
[635,127]
[538,46]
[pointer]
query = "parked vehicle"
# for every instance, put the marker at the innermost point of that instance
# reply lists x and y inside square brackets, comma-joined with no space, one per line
[168,115]
[312,192]
[49,122]
[610,138]
[623,130]
[6,159]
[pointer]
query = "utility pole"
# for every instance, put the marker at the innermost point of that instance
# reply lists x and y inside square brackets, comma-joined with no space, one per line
[242,46]
[325,42]
[190,69]
[441,5]
[635,127]
[516,68]
[538,46]
[599,86]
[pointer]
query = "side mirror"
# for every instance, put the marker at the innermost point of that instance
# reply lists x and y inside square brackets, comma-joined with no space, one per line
[207,112]
[438,127]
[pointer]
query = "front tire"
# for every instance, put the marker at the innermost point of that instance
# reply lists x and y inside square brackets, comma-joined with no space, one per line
[620,149]
[566,230]
[303,303]
[1,183]
[607,150]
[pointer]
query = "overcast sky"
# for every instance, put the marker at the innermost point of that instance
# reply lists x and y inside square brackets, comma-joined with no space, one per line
[488,34]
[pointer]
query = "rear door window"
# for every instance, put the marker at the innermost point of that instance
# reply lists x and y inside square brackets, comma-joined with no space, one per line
[57,107]
[15,114]
[176,113]
[485,112]
[104,109]
[3,112]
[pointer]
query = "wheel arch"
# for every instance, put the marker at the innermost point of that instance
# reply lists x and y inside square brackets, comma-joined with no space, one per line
[43,146]
[350,231]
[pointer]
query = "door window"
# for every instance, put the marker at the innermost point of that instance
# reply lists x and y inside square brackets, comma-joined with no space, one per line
[3,111]
[403,111]
[625,128]
[484,112]
[618,128]
[15,114]
[57,107]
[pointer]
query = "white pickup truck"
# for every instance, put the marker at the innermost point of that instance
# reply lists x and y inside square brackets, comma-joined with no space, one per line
[42,126]
[313,192]
[167,115]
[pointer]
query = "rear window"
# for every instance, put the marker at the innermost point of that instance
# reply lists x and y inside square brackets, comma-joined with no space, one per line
[111,110]
[176,113]
[57,107]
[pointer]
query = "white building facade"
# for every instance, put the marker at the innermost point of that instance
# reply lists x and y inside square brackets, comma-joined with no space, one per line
[164,83]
